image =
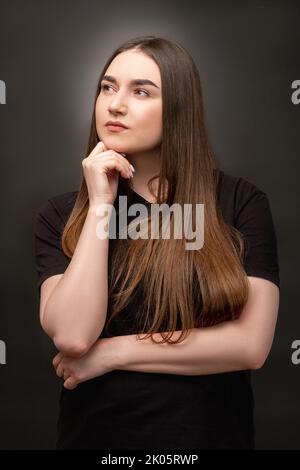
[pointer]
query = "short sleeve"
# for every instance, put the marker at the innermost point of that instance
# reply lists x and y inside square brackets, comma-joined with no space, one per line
[253,218]
[49,256]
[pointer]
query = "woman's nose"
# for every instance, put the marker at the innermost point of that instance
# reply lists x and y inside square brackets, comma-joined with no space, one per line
[118,104]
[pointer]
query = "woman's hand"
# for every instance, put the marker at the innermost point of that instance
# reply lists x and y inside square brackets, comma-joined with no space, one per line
[101,172]
[104,356]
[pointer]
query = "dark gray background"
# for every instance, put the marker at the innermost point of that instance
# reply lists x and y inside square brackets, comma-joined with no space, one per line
[51,55]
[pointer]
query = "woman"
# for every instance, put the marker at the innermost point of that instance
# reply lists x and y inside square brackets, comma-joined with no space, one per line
[156,342]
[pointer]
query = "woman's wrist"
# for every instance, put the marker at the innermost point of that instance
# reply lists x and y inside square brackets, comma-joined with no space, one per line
[110,354]
[121,347]
[96,201]
[101,209]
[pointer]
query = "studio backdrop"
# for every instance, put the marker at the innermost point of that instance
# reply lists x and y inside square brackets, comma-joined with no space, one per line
[51,54]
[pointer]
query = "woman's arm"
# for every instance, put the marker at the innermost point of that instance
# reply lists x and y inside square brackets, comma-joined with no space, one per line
[233,345]
[75,312]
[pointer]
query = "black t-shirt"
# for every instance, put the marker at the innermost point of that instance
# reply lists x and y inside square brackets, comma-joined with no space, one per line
[141,410]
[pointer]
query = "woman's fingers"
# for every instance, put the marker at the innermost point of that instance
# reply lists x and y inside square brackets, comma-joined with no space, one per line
[101,170]
[100,147]
[60,370]
[114,156]
[70,383]
[57,359]
[112,162]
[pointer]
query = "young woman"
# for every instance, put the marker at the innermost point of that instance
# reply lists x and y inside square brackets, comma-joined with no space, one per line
[156,342]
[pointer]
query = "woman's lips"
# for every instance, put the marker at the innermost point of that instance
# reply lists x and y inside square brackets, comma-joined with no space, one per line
[113,128]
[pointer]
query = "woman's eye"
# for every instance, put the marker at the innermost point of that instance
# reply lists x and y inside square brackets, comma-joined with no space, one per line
[144,92]
[105,87]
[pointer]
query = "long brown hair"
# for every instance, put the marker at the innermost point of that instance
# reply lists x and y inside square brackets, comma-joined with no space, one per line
[171,276]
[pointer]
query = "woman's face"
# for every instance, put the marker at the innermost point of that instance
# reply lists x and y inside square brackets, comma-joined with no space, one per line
[137,106]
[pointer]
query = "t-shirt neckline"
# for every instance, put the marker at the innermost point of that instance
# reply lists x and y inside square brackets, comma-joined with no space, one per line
[136,195]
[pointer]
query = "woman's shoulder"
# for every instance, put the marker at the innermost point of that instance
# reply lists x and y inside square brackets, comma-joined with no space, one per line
[247,207]
[64,200]
[237,194]
[239,185]
[59,205]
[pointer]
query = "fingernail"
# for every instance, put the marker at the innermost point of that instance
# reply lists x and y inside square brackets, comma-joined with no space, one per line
[132,167]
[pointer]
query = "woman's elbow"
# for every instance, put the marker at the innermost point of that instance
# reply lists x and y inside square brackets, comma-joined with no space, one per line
[258,359]
[73,348]
[73,345]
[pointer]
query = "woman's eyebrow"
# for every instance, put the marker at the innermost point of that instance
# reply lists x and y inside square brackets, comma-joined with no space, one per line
[137,81]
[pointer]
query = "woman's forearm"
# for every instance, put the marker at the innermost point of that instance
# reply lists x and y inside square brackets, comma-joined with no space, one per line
[220,348]
[212,350]
[75,312]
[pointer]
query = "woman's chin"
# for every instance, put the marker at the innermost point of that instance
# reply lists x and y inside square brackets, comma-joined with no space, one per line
[114,143]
